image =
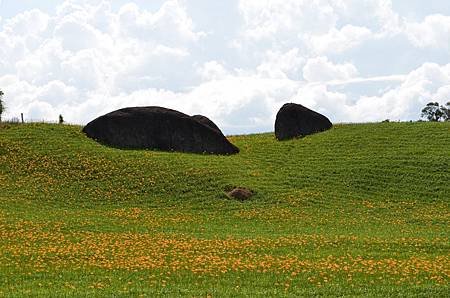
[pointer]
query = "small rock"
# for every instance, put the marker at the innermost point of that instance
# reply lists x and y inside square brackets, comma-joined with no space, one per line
[240,194]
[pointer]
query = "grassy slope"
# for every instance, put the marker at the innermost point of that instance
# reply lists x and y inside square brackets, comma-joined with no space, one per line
[358,210]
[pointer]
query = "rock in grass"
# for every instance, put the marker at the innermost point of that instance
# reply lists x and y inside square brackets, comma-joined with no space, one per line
[158,128]
[294,120]
[240,193]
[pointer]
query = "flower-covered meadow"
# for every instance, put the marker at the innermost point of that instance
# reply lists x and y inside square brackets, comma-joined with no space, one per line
[359,210]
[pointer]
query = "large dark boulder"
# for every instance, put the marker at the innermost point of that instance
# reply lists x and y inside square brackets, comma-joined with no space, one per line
[206,121]
[157,128]
[294,120]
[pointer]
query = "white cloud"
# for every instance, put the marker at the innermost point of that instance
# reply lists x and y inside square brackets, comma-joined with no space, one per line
[76,36]
[29,23]
[433,32]
[54,91]
[279,65]
[377,15]
[319,98]
[293,21]
[336,41]
[430,82]
[280,19]
[170,25]
[37,109]
[321,69]
[212,70]
[84,69]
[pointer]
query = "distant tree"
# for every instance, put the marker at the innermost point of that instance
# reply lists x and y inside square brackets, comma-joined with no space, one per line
[2,104]
[433,112]
[61,119]
[446,110]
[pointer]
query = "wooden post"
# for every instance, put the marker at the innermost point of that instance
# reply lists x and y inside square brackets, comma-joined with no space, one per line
[21,116]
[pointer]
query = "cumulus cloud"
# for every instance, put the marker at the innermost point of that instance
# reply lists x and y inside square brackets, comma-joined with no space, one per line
[280,19]
[321,69]
[170,25]
[87,58]
[377,15]
[433,32]
[87,48]
[29,23]
[401,102]
[326,22]
[282,65]
[335,40]
[212,70]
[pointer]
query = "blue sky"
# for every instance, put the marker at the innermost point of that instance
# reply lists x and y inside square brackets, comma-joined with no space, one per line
[235,61]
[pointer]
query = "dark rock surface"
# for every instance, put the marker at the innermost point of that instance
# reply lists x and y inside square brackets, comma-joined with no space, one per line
[240,193]
[157,128]
[294,120]
[206,121]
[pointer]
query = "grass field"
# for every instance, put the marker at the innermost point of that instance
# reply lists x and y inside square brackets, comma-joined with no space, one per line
[357,210]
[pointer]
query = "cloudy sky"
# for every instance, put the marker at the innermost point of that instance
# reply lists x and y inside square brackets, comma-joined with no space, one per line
[235,61]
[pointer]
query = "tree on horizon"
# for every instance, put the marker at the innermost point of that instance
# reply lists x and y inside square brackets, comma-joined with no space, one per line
[433,112]
[447,111]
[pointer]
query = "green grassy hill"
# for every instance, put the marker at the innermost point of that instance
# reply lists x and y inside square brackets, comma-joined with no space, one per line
[357,210]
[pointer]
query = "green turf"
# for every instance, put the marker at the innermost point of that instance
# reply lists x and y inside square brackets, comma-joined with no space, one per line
[359,210]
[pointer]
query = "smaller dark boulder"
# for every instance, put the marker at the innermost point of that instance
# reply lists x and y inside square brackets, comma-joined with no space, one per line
[206,121]
[294,120]
[240,193]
